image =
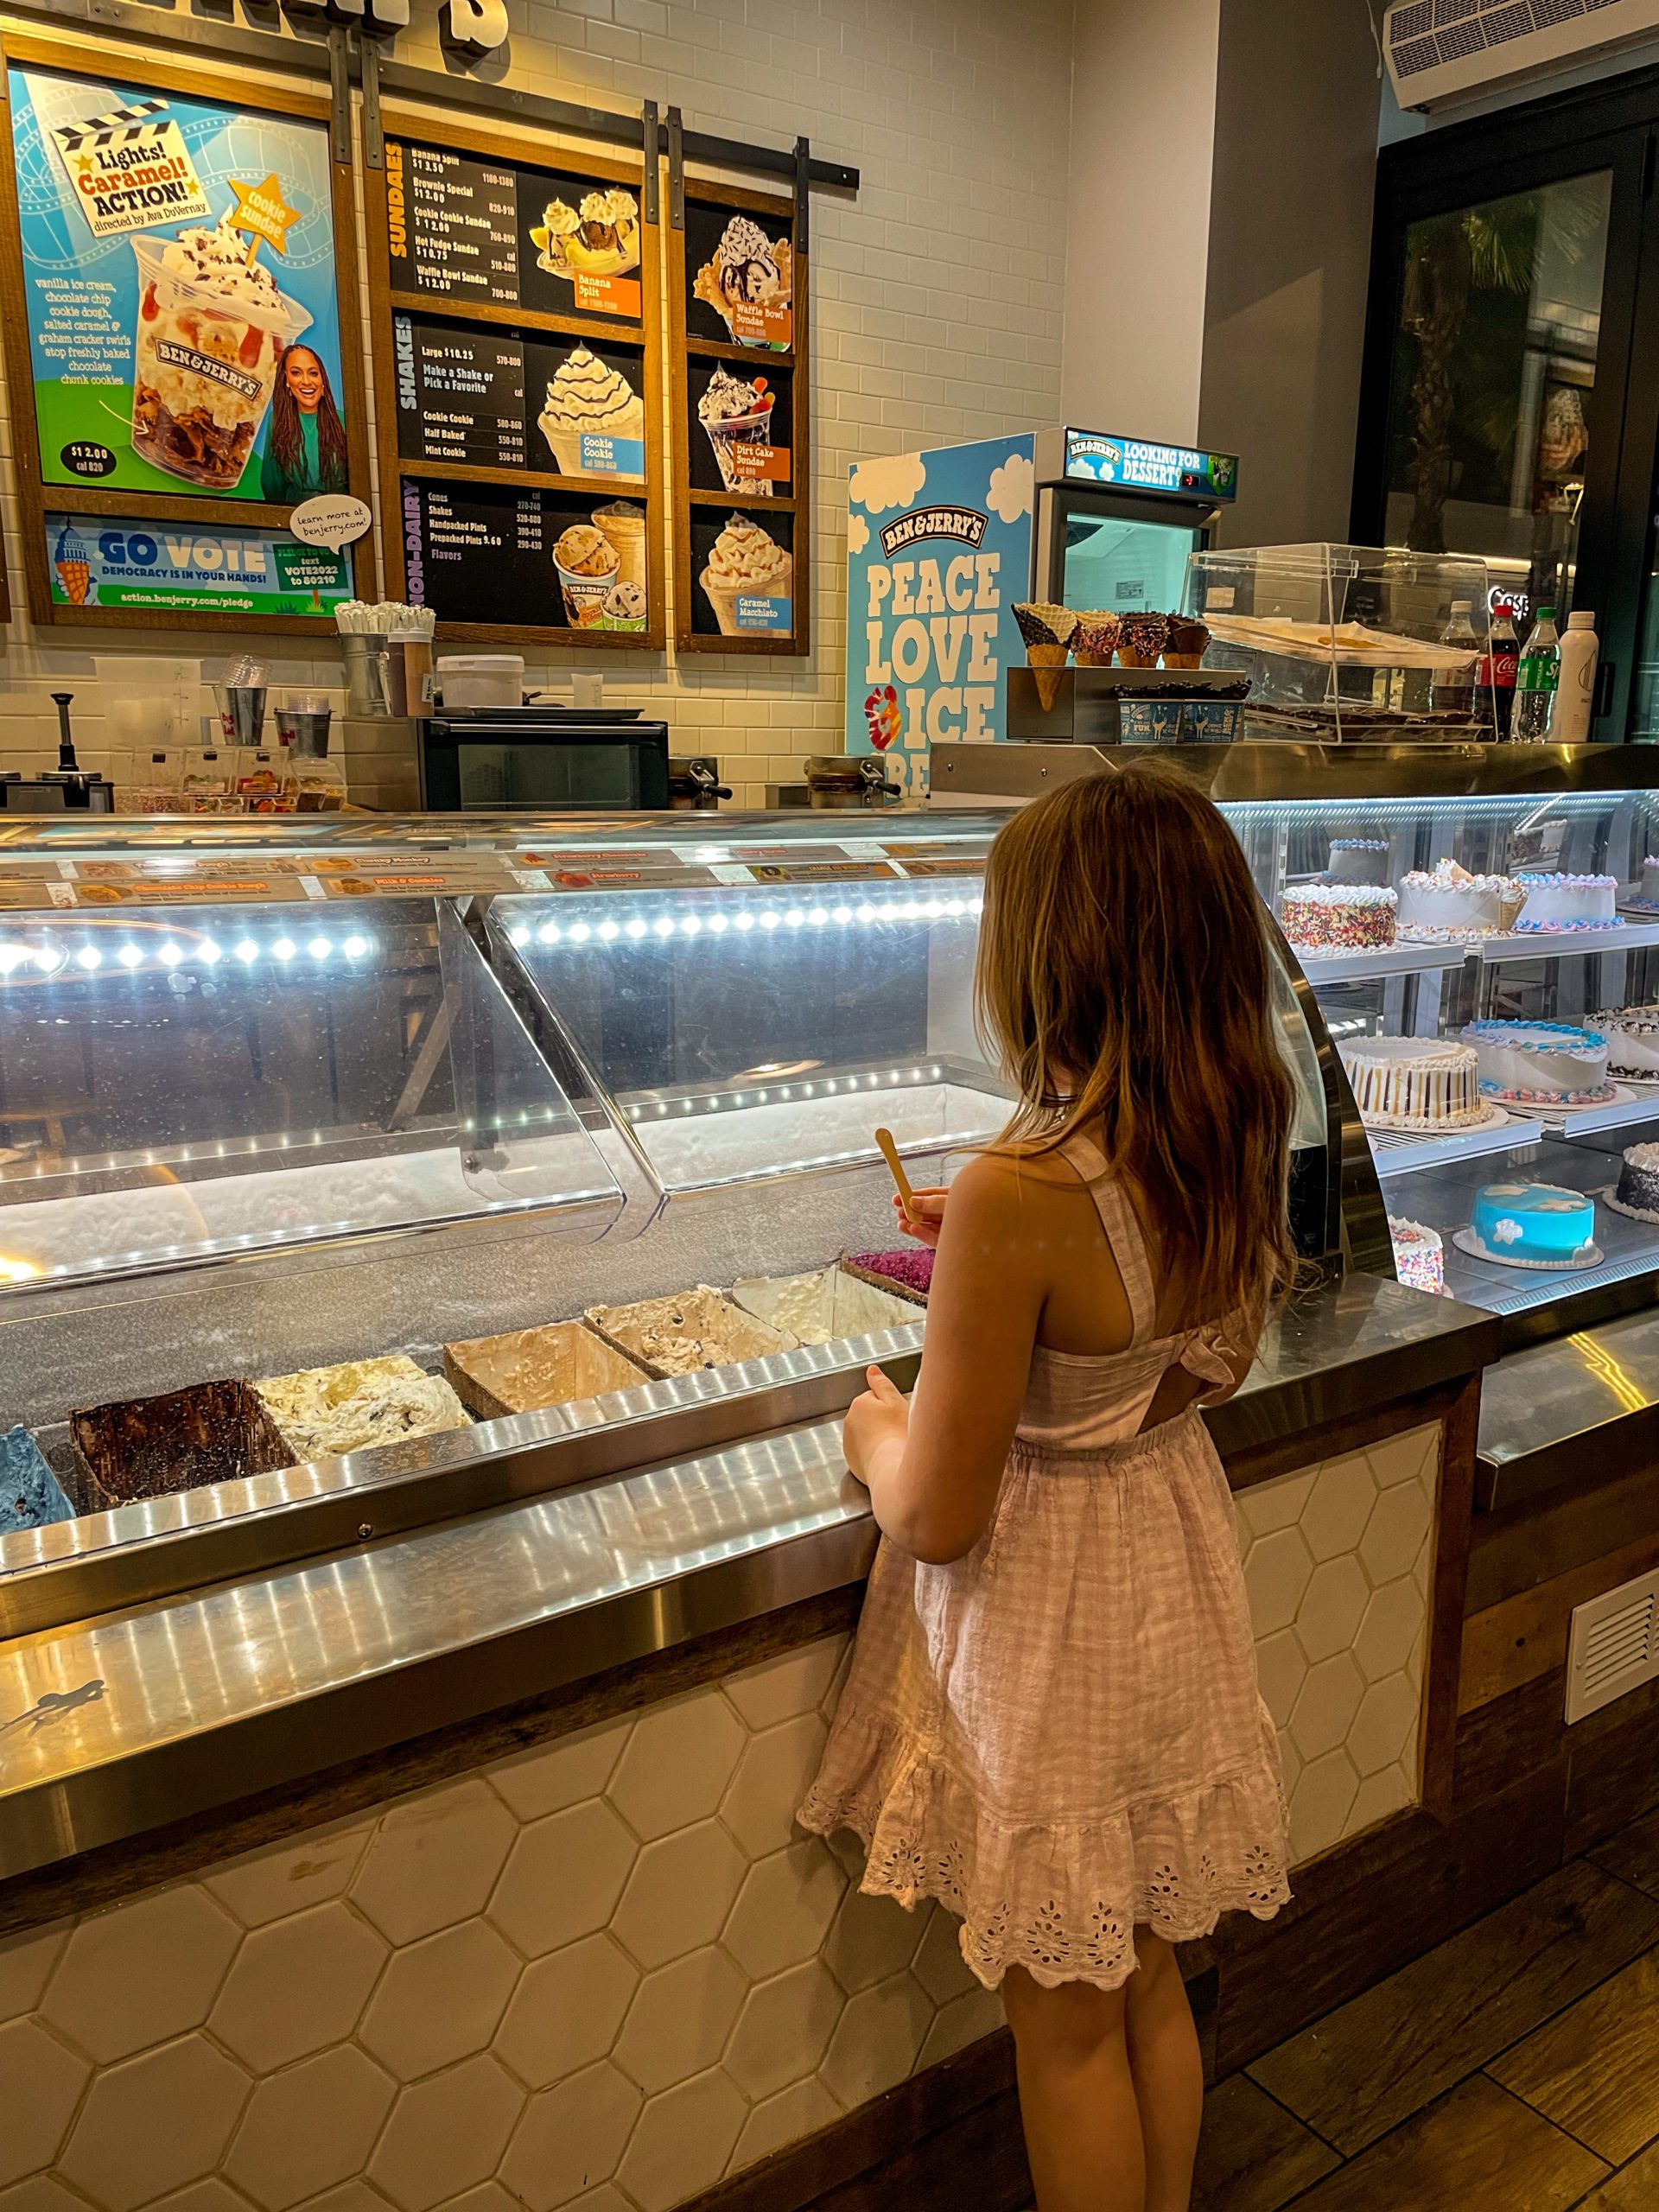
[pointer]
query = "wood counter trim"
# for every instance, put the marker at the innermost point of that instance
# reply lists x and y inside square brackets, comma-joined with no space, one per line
[1525,1636]
[1453,1510]
[1352,1433]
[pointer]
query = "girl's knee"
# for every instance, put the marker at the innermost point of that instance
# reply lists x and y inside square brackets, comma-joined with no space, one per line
[1074,2021]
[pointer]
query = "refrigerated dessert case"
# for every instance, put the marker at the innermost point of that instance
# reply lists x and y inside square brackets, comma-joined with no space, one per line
[349,1158]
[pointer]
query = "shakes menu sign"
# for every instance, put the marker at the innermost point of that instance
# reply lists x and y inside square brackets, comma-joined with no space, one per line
[938,549]
[178,279]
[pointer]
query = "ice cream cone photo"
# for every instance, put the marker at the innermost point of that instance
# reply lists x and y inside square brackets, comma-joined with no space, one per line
[1047,631]
[1143,640]
[1093,642]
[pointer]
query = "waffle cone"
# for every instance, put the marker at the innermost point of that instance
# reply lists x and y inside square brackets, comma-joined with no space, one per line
[1048,665]
[1127,657]
[1092,660]
[1183,660]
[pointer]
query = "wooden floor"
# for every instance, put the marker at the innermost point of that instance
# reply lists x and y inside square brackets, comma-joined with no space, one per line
[1514,2069]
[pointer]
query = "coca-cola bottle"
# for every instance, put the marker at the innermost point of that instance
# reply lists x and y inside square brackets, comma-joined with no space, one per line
[1495,684]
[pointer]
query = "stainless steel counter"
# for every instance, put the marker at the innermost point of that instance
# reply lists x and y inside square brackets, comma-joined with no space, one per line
[1548,1413]
[112,1725]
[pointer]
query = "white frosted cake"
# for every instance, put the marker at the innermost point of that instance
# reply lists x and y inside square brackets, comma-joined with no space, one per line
[1358,860]
[1647,890]
[1557,903]
[1414,1083]
[1632,1034]
[1419,1256]
[1447,903]
[1541,1062]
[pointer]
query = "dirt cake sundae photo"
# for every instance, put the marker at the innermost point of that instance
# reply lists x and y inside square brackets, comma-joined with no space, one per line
[736,412]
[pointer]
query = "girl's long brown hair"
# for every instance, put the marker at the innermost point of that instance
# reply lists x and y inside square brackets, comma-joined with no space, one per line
[1124,982]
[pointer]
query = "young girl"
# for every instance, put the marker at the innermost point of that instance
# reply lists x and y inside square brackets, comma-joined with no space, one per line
[1051,1722]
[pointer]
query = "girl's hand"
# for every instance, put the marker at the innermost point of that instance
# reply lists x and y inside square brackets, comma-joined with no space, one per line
[879,1420]
[926,1219]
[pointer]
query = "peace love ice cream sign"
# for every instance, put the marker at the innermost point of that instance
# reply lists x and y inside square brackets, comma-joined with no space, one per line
[938,549]
[178,279]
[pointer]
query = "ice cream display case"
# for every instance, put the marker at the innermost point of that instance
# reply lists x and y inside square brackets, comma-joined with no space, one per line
[455,1158]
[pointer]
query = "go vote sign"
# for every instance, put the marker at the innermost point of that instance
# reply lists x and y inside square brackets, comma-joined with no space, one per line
[938,549]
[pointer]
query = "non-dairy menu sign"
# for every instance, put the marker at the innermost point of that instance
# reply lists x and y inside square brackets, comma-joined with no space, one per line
[466,229]
[178,287]
[489,554]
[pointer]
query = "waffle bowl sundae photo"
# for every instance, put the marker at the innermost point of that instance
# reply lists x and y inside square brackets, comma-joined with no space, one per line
[749,281]
[599,236]
[214,324]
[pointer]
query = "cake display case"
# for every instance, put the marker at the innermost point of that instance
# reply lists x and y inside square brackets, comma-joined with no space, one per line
[1348,643]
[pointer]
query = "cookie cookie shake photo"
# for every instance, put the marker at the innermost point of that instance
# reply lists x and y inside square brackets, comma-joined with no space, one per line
[212,325]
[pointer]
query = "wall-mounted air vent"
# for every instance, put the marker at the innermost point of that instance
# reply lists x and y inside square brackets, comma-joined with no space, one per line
[1614,1646]
[1443,50]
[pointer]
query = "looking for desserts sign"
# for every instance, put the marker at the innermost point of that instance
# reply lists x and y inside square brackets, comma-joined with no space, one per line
[179,278]
[938,549]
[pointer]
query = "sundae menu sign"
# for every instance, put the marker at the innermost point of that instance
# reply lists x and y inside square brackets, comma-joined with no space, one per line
[180,290]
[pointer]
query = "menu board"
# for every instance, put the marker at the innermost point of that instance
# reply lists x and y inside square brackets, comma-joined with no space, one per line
[489,554]
[180,291]
[519,409]
[738,291]
[460,393]
[464,228]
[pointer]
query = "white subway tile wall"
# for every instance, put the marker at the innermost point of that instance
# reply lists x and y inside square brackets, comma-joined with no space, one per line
[608,1971]
[936,311]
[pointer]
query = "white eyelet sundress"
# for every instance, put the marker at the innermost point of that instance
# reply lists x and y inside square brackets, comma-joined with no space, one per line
[1060,1735]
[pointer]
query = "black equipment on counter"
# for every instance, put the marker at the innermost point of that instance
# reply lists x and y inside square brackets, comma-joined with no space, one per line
[66,789]
[495,759]
[694,785]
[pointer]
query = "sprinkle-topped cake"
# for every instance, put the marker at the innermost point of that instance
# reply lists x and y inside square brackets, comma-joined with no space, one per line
[1632,1034]
[1415,1083]
[1637,1194]
[1559,903]
[1338,917]
[1532,1225]
[1541,1062]
[1419,1256]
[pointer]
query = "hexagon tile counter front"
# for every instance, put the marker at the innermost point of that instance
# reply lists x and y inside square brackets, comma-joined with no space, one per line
[608,1971]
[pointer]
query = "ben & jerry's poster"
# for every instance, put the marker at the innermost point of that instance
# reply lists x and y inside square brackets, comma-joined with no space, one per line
[179,278]
[938,549]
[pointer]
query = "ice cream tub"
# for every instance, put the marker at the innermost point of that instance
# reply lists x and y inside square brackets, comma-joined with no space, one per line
[526,1369]
[823,1307]
[688,1331]
[212,327]
[324,1411]
[153,1447]
[587,563]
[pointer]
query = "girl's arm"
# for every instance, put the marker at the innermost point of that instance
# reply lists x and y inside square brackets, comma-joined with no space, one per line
[933,1477]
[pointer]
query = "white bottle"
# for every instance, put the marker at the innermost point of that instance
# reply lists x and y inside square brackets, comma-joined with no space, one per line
[1575,693]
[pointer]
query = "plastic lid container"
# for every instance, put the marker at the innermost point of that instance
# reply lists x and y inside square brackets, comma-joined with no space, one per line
[481,679]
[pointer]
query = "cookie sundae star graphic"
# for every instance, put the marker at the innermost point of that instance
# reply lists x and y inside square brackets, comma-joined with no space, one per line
[262,213]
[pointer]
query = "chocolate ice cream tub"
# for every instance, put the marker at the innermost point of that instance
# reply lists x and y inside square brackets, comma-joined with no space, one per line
[184,1440]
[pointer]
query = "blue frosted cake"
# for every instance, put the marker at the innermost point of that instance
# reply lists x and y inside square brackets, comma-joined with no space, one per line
[30,1496]
[1532,1225]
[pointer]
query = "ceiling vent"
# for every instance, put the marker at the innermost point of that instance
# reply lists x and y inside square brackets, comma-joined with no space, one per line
[1614,1645]
[1444,50]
